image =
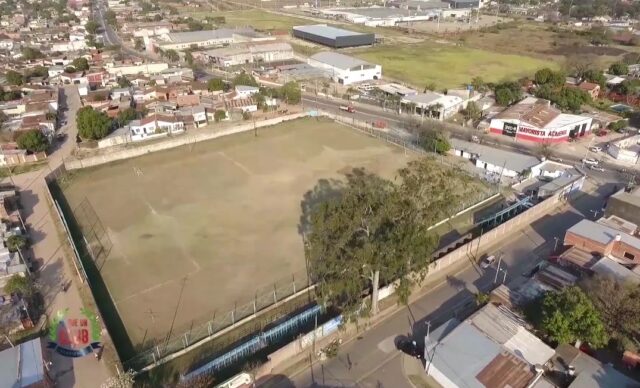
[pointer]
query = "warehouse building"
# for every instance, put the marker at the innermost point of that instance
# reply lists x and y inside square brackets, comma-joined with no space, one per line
[332,36]
[345,69]
[250,53]
[209,38]
[536,120]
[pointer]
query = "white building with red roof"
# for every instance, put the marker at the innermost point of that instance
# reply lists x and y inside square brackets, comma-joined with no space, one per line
[534,119]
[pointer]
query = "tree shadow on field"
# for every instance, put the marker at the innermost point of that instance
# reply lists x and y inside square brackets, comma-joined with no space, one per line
[324,190]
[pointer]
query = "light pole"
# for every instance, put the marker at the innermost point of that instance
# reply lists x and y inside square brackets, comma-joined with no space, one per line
[555,246]
[9,341]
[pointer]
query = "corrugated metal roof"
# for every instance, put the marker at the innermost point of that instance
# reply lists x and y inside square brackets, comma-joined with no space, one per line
[497,157]
[326,31]
[338,60]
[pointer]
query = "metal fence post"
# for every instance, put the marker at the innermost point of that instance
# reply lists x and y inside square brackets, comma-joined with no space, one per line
[209,328]
[275,296]
[233,315]
[293,278]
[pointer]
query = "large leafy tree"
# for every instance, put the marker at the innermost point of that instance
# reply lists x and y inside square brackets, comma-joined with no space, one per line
[507,93]
[80,63]
[92,27]
[547,76]
[619,306]
[14,78]
[215,84]
[33,141]
[368,230]
[16,243]
[568,316]
[92,124]
[619,68]
[245,79]
[18,284]
[291,92]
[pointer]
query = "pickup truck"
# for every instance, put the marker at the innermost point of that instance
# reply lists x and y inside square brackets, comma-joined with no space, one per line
[347,108]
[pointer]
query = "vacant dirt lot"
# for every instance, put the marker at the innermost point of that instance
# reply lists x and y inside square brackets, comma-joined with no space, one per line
[199,228]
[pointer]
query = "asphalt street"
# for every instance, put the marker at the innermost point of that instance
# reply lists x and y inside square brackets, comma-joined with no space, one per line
[372,360]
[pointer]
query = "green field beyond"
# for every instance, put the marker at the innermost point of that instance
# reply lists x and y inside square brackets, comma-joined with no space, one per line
[449,66]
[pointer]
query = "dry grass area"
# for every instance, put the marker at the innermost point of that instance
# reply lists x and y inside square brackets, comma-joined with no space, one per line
[197,229]
[540,41]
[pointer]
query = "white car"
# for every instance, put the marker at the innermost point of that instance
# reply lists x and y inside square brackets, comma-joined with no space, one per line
[487,261]
[595,149]
[596,168]
[590,161]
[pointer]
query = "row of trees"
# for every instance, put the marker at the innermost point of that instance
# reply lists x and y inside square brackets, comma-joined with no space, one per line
[598,311]
[368,231]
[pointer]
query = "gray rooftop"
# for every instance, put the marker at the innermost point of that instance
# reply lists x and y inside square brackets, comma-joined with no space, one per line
[199,36]
[607,267]
[463,354]
[22,365]
[326,31]
[425,99]
[632,198]
[590,373]
[511,160]
[560,182]
[602,234]
[338,60]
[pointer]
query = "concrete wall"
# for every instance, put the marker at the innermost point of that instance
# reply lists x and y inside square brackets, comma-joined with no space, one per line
[177,141]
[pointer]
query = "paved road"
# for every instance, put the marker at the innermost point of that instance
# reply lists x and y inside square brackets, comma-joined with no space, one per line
[46,250]
[373,361]
[399,123]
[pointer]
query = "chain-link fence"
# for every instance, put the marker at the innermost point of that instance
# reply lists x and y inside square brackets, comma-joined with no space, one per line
[264,298]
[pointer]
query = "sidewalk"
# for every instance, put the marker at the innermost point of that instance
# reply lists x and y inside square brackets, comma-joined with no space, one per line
[53,268]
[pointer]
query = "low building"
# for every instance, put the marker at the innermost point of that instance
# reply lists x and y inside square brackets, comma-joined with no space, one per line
[135,68]
[332,36]
[602,239]
[626,149]
[250,53]
[624,204]
[431,104]
[245,91]
[494,160]
[155,125]
[492,348]
[24,366]
[209,38]
[592,89]
[584,371]
[534,119]
[345,69]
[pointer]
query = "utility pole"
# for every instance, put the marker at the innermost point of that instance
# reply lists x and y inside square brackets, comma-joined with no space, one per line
[495,279]
[555,246]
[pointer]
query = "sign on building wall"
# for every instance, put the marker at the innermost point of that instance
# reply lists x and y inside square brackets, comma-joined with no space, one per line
[510,129]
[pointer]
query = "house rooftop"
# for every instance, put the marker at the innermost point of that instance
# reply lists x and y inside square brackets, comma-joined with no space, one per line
[611,268]
[490,349]
[602,234]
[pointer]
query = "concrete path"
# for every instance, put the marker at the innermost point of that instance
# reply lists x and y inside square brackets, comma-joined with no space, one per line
[46,250]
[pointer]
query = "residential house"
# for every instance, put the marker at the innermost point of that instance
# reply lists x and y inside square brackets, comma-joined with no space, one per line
[592,89]
[492,348]
[624,204]
[431,104]
[604,240]
[196,115]
[155,125]
[245,91]
[118,93]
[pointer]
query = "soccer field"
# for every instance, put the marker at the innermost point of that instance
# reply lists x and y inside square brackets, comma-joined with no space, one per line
[195,231]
